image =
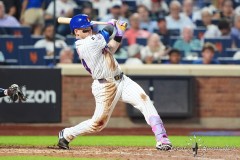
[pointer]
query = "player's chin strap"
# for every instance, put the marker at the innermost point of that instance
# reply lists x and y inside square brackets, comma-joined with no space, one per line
[157,127]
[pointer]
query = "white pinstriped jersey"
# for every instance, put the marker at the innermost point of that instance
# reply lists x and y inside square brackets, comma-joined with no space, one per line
[96,57]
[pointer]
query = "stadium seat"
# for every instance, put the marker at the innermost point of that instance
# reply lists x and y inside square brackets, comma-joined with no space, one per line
[156,31]
[23,31]
[49,21]
[199,32]
[34,39]
[187,61]
[173,39]
[198,52]
[221,44]
[29,55]
[77,11]
[228,60]
[229,52]
[164,61]
[121,60]
[50,61]
[132,4]
[199,23]
[124,42]
[57,51]
[46,3]
[70,40]
[236,3]
[142,41]
[76,57]
[174,32]
[238,42]
[9,47]
[81,2]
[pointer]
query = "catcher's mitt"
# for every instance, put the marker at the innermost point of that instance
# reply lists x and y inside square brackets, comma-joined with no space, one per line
[15,93]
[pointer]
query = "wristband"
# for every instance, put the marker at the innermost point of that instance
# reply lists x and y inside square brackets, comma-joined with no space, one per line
[118,39]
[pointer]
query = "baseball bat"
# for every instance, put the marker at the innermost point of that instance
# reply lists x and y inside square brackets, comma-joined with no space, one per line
[64,20]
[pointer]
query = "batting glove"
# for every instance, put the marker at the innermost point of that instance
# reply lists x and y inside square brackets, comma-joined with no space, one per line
[112,22]
[121,27]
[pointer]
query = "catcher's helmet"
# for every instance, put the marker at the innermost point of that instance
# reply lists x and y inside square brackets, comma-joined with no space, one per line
[80,21]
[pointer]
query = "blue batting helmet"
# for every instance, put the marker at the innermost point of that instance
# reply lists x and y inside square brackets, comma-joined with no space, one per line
[80,21]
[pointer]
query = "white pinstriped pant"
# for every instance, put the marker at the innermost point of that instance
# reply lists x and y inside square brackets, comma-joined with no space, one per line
[106,96]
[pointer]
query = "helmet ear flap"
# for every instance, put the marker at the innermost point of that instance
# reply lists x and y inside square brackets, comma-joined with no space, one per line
[73,32]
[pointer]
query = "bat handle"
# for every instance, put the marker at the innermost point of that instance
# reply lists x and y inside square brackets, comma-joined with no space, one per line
[99,23]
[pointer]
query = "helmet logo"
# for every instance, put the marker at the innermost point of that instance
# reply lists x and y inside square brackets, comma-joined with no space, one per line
[88,19]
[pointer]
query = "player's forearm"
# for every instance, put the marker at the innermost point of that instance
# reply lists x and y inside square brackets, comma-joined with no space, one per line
[120,29]
[113,45]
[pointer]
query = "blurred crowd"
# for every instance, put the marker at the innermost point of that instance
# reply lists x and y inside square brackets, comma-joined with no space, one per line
[159,31]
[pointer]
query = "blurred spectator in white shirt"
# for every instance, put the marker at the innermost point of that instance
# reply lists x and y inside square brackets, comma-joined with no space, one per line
[2,59]
[212,30]
[103,5]
[134,56]
[47,42]
[115,13]
[236,56]
[176,20]
[7,20]
[64,8]
[235,31]
[188,10]
[154,51]
[237,11]
[146,23]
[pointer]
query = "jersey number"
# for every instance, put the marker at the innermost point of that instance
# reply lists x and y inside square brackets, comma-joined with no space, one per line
[86,67]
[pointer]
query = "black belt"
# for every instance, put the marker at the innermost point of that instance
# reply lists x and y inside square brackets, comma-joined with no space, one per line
[117,77]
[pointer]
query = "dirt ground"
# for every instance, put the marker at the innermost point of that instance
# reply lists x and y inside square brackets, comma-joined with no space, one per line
[123,153]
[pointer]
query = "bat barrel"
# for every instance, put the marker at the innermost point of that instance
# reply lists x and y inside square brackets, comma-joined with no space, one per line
[65,20]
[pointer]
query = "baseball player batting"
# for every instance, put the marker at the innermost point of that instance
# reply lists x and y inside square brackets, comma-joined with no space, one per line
[14,92]
[110,85]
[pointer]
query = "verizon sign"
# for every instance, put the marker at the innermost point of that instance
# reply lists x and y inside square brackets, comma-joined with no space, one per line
[36,96]
[43,91]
